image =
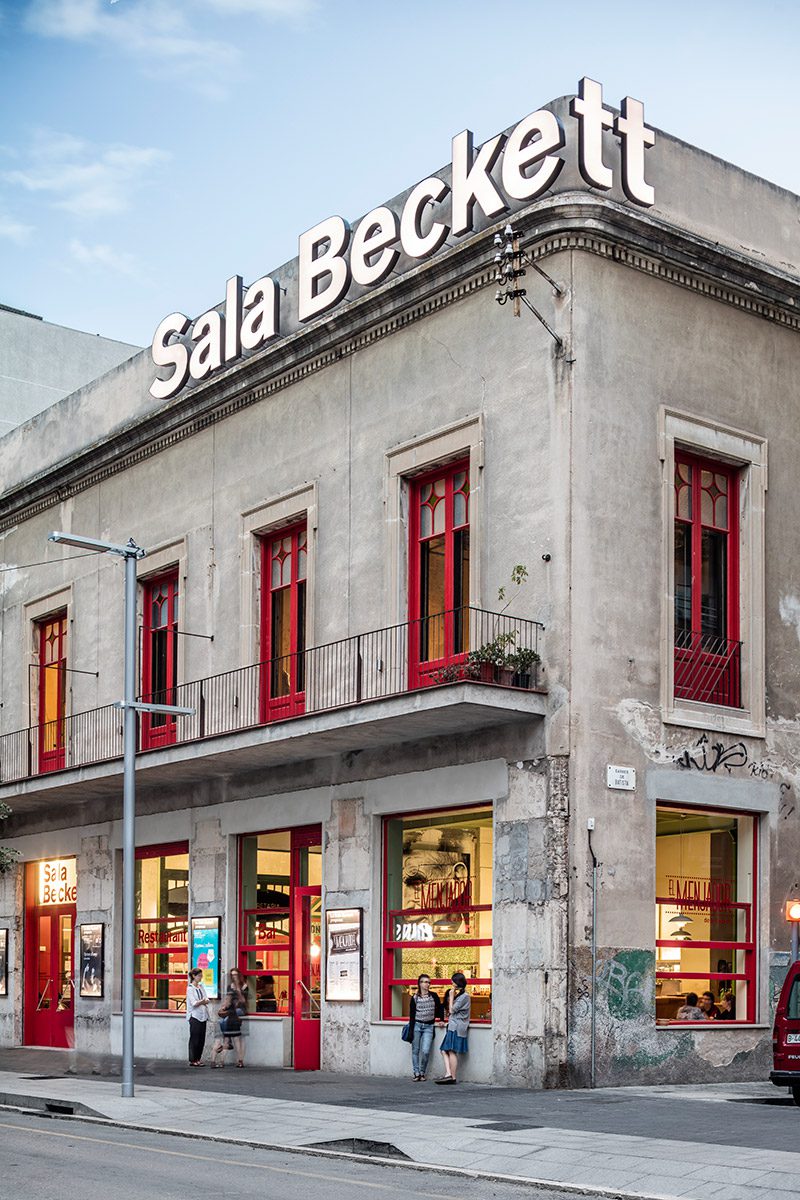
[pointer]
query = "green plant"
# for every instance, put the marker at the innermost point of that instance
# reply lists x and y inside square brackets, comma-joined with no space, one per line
[7,856]
[522,660]
[496,652]
[519,574]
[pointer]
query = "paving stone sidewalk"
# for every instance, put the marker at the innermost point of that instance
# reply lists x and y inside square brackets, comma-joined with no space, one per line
[454,1135]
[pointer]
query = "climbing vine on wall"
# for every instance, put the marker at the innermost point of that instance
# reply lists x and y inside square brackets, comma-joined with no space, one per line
[7,856]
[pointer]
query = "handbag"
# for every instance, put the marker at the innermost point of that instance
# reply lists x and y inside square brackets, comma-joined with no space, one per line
[407,1034]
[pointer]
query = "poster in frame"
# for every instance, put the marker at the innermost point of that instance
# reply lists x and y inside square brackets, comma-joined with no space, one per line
[92,961]
[205,952]
[344,953]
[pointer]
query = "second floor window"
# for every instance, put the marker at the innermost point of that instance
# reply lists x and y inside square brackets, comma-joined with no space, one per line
[284,567]
[52,638]
[707,649]
[439,558]
[160,657]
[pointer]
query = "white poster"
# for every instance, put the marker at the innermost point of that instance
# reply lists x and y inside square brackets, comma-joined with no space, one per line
[343,953]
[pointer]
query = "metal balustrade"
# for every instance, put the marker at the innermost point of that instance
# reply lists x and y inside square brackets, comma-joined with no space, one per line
[462,645]
[708,669]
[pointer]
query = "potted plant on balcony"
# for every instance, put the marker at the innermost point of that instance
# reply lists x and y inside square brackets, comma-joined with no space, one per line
[492,662]
[523,661]
[499,660]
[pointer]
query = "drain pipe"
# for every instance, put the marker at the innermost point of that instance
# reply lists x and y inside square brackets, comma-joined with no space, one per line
[595,867]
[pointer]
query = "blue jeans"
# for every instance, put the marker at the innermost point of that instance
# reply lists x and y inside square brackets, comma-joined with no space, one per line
[421,1047]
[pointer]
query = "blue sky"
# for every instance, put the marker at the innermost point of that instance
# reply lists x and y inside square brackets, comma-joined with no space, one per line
[151,148]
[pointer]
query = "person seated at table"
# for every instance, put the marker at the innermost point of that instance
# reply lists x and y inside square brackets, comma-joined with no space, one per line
[728,1010]
[708,1007]
[265,994]
[690,1010]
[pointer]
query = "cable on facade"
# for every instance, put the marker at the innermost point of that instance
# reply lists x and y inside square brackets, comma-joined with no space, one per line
[45,562]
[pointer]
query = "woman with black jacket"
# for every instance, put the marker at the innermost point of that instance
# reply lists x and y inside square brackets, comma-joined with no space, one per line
[426,1008]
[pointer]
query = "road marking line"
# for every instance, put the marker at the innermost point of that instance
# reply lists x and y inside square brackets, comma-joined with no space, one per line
[228,1162]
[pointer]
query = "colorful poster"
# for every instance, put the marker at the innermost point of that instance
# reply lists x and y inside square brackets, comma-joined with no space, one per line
[91,961]
[205,952]
[343,961]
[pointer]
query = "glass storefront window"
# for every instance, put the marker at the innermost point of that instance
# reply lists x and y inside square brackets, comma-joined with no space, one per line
[438,906]
[162,922]
[705,914]
[271,867]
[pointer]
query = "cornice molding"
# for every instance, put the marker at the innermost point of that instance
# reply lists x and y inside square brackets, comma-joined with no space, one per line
[570,222]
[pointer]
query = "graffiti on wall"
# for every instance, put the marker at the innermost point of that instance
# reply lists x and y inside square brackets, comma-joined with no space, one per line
[712,757]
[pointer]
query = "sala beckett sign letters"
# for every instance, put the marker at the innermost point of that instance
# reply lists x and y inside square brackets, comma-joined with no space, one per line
[504,171]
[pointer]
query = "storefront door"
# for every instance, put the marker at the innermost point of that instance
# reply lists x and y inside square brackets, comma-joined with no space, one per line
[49,997]
[307,923]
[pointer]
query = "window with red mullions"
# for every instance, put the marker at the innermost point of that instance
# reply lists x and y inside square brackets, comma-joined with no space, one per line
[160,657]
[438,586]
[52,692]
[706,928]
[706,544]
[284,567]
[438,906]
[162,922]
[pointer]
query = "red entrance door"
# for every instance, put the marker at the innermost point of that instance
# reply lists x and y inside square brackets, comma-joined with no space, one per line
[307,951]
[306,945]
[49,1011]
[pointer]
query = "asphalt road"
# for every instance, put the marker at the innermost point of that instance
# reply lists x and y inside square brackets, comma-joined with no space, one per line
[54,1159]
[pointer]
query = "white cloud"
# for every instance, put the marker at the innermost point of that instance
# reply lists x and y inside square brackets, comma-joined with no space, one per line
[102,255]
[83,179]
[272,9]
[159,31]
[14,231]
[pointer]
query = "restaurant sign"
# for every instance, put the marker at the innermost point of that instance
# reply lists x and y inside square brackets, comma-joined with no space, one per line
[482,184]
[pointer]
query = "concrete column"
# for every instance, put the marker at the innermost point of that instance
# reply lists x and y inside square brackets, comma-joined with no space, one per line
[529,1010]
[95,874]
[346,876]
[11,918]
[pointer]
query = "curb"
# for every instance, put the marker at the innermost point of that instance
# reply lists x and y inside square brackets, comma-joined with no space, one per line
[37,1107]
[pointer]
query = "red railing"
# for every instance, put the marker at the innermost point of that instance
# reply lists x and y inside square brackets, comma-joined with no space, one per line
[708,669]
[355,670]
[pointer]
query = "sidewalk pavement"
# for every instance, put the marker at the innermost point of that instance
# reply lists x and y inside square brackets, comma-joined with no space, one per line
[732,1141]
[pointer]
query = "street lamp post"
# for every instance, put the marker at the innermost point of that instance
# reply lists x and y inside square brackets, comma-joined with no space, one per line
[131,553]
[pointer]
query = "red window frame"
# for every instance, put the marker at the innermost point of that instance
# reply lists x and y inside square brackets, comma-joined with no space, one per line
[159,925]
[450,629]
[748,947]
[52,636]
[282,685]
[299,839]
[390,945]
[160,729]
[707,666]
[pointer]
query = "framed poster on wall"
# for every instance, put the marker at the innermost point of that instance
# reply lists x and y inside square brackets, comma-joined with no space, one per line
[3,962]
[344,958]
[205,952]
[91,960]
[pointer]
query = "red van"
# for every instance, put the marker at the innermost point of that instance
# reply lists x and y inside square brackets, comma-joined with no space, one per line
[786,1035]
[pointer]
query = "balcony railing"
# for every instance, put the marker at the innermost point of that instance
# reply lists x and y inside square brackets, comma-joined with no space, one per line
[466,644]
[708,669]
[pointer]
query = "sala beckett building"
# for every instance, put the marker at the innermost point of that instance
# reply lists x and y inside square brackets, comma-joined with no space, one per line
[388,769]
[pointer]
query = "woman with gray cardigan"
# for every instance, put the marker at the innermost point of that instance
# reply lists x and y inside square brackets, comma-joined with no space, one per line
[455,1040]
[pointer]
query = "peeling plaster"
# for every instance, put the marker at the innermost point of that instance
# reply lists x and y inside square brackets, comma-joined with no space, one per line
[789,609]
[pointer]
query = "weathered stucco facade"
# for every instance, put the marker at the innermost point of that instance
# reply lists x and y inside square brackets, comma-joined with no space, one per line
[678,330]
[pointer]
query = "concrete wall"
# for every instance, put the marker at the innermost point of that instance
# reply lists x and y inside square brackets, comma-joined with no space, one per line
[661,345]
[41,363]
